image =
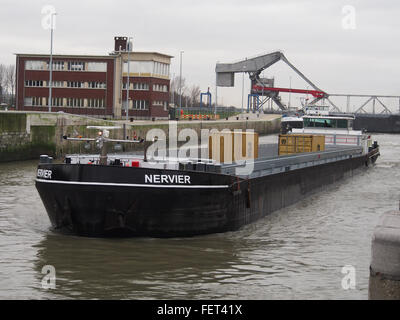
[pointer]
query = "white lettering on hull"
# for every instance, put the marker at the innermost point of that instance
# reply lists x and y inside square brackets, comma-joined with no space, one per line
[45,174]
[167,178]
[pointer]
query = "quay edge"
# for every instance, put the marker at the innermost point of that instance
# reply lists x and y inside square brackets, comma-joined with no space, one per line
[384,281]
[27,135]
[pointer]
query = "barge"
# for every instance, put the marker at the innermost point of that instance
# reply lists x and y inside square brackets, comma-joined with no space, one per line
[104,195]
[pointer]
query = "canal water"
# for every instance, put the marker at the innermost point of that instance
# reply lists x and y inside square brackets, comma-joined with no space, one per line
[295,253]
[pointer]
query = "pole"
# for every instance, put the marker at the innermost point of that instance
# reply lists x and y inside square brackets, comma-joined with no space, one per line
[216,96]
[373,105]
[180,82]
[127,87]
[244,70]
[290,92]
[242,91]
[173,96]
[51,62]
[173,90]
[262,94]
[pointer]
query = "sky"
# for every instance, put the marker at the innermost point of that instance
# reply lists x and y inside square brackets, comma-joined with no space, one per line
[341,46]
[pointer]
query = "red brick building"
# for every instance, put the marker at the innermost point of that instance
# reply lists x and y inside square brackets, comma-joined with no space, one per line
[96,85]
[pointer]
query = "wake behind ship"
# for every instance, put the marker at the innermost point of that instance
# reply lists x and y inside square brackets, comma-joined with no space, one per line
[121,195]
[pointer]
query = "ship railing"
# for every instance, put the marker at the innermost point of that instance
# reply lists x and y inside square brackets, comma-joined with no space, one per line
[337,139]
[287,163]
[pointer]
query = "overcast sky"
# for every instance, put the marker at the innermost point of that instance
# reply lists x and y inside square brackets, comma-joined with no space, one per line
[315,35]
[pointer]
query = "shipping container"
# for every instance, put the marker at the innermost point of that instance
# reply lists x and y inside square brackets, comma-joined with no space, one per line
[299,143]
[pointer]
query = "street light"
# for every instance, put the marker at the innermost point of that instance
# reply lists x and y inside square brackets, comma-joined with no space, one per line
[180,81]
[173,89]
[127,88]
[290,92]
[244,70]
[51,60]
[216,94]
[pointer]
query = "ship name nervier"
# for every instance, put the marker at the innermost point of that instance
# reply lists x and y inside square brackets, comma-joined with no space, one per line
[166,178]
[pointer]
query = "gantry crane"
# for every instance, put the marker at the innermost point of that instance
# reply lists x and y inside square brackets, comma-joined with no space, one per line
[254,66]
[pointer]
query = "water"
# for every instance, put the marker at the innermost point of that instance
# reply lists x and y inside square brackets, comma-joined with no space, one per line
[295,253]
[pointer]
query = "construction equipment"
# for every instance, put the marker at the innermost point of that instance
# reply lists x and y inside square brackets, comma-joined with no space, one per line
[254,67]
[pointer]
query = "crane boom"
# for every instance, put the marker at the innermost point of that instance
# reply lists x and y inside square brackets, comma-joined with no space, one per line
[254,66]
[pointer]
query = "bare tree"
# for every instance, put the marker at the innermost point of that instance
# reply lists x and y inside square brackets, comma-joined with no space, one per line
[194,95]
[2,81]
[176,84]
[10,81]
[175,89]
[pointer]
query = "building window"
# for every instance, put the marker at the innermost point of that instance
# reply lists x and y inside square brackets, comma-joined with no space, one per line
[55,102]
[75,102]
[57,65]
[146,68]
[35,65]
[58,84]
[160,88]
[28,101]
[161,69]
[37,101]
[136,86]
[74,84]
[33,83]
[95,103]
[76,66]
[97,85]
[140,104]
[161,104]
[58,102]
[141,86]
[97,66]
[33,101]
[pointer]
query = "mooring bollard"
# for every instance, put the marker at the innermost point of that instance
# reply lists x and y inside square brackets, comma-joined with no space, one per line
[384,279]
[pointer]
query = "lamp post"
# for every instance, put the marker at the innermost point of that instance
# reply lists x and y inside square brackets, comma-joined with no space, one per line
[51,61]
[242,91]
[243,72]
[173,90]
[216,95]
[180,82]
[290,92]
[127,87]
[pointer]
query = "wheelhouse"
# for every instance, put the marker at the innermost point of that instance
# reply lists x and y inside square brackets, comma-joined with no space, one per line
[345,123]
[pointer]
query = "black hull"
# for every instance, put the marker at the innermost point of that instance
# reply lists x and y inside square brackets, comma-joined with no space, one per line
[97,201]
